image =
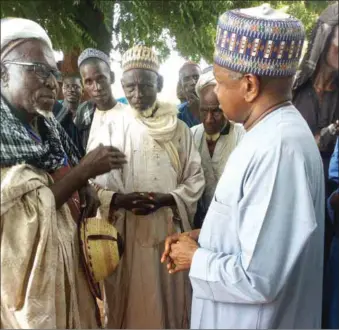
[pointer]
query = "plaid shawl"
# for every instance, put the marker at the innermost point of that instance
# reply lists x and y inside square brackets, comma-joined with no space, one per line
[18,147]
[319,40]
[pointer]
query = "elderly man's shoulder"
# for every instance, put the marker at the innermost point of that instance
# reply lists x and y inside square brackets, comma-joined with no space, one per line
[20,179]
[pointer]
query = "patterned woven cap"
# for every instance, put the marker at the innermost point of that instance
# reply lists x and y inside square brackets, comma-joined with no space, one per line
[93,53]
[259,40]
[140,57]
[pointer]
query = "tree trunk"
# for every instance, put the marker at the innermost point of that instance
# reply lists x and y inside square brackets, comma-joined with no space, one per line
[69,65]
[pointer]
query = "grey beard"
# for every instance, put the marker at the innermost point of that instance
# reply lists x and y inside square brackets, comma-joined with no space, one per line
[147,112]
[45,113]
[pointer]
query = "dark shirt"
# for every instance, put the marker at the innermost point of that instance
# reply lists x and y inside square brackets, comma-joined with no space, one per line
[186,116]
[318,116]
[83,120]
[65,118]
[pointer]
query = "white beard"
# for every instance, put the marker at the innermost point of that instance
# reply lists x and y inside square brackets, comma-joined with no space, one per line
[45,113]
[145,113]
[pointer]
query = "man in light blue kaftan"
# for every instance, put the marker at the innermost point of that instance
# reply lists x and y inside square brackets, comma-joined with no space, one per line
[257,262]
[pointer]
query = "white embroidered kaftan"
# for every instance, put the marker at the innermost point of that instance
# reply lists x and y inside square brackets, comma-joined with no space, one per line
[101,117]
[141,294]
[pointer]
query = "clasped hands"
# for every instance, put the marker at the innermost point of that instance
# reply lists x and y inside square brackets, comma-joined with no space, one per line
[179,251]
[142,203]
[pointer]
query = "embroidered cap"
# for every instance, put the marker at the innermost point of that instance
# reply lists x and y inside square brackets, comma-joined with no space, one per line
[93,53]
[140,57]
[259,40]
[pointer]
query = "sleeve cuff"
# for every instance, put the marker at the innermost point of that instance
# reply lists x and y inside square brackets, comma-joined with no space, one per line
[199,274]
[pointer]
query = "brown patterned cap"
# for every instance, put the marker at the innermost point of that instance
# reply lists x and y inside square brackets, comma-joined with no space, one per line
[140,57]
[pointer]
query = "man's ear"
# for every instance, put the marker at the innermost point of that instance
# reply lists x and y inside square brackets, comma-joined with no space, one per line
[160,83]
[112,77]
[251,87]
[4,75]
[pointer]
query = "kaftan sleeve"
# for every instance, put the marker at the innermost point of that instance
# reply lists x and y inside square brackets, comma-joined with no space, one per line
[192,181]
[276,217]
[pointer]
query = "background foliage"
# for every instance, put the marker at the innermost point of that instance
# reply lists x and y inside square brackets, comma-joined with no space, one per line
[187,26]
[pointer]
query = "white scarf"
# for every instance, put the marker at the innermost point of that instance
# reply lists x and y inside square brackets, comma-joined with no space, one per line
[162,127]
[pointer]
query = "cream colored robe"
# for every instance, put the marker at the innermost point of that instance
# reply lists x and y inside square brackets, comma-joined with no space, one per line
[141,294]
[42,283]
[214,166]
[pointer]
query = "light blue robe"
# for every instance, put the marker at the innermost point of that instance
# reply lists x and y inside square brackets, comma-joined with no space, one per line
[260,261]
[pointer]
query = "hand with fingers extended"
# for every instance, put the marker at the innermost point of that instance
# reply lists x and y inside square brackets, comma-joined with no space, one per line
[102,160]
[179,250]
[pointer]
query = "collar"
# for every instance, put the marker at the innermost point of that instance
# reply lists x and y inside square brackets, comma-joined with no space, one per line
[215,137]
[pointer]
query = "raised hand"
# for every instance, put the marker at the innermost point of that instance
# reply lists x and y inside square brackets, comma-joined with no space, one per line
[102,160]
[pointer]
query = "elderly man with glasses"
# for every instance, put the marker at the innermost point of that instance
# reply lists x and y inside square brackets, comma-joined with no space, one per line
[43,190]
[215,139]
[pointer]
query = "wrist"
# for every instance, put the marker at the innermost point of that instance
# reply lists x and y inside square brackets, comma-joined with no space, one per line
[167,200]
[82,174]
[116,201]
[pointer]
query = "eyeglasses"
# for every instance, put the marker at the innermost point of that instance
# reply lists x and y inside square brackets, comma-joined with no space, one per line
[41,70]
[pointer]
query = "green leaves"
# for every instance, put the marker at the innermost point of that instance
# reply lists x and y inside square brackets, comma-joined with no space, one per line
[187,26]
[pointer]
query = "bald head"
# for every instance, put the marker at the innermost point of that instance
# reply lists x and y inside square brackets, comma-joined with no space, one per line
[189,75]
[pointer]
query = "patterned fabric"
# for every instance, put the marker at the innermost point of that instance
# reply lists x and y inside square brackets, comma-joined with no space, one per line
[260,41]
[18,147]
[64,116]
[93,53]
[140,57]
[319,38]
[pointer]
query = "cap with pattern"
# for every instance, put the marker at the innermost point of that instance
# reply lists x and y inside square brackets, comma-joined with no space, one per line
[259,40]
[93,53]
[140,57]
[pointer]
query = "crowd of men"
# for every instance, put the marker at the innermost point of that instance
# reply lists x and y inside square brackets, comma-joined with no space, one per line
[228,205]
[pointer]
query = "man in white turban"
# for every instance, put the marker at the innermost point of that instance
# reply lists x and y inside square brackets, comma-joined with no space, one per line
[215,139]
[155,194]
[43,189]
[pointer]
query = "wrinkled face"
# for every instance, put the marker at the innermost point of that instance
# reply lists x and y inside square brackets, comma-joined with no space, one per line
[26,87]
[141,88]
[189,77]
[210,113]
[72,89]
[332,54]
[97,79]
[230,93]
